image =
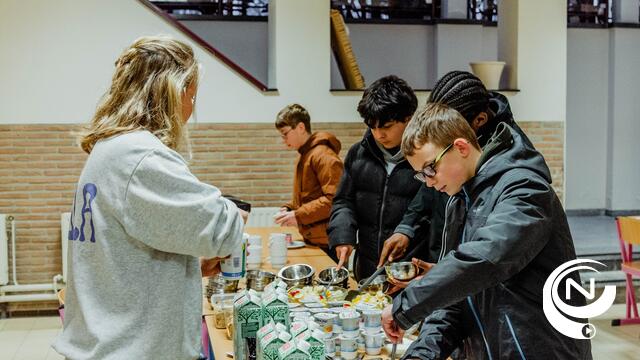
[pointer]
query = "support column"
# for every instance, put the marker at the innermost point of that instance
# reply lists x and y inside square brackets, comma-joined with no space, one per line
[532,40]
[299,47]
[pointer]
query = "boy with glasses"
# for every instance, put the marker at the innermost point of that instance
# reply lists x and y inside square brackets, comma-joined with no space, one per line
[317,173]
[486,294]
[484,111]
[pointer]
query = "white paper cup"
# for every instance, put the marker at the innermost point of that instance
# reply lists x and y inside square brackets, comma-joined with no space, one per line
[350,321]
[348,347]
[254,255]
[278,245]
[277,262]
[330,346]
[373,343]
[255,240]
[372,320]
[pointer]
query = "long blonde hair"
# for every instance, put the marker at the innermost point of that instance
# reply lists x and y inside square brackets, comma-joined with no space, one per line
[146,93]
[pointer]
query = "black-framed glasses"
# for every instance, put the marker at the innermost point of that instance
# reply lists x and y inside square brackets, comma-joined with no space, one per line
[284,134]
[429,170]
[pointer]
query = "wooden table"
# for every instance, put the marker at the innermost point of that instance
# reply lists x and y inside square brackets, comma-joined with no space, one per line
[311,255]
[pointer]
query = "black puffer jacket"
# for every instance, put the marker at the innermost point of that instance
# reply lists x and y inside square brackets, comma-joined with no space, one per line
[370,204]
[487,293]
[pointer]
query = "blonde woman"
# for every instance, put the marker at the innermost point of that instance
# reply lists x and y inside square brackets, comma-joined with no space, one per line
[140,219]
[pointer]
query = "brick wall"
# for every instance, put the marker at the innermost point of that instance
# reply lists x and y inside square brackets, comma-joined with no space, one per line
[39,166]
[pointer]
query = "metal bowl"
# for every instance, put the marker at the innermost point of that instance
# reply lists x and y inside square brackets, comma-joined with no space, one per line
[403,270]
[258,279]
[333,276]
[379,283]
[219,285]
[297,275]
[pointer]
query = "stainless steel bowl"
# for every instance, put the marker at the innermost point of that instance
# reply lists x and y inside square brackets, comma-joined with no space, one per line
[379,283]
[218,285]
[403,270]
[333,276]
[258,279]
[297,275]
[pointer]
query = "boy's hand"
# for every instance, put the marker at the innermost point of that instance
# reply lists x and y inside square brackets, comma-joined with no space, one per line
[343,252]
[287,218]
[393,331]
[423,269]
[394,247]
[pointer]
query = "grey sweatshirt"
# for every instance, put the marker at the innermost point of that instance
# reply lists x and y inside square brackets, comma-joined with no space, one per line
[140,220]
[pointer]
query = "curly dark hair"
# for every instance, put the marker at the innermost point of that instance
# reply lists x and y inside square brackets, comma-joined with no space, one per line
[387,99]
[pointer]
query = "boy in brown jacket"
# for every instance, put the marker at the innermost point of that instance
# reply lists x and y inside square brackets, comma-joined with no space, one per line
[317,174]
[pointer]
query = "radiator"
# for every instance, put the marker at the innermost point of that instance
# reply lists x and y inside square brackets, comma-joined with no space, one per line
[65,219]
[262,216]
[4,251]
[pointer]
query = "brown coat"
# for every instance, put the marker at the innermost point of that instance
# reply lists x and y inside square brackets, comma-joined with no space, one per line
[317,175]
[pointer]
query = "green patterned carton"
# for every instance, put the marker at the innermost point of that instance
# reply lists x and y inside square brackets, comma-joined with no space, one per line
[298,327]
[247,317]
[294,350]
[260,334]
[275,308]
[316,343]
[269,345]
[263,331]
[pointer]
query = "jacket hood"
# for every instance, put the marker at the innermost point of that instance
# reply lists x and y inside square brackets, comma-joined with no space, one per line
[499,106]
[321,138]
[507,149]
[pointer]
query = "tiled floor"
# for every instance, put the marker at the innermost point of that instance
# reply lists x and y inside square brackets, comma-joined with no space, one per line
[31,338]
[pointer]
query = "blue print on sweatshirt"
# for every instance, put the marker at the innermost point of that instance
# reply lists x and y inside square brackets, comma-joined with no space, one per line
[89,193]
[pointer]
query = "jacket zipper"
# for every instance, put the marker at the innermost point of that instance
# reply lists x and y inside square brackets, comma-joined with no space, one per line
[444,230]
[479,323]
[384,197]
[384,192]
[515,338]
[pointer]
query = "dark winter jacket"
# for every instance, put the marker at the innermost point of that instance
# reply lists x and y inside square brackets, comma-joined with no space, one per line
[318,172]
[486,294]
[370,205]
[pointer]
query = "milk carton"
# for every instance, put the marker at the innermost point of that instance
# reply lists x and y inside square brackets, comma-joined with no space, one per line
[294,350]
[316,343]
[275,308]
[269,345]
[247,317]
[298,327]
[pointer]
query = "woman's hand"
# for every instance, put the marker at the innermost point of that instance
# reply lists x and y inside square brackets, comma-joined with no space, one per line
[244,214]
[210,267]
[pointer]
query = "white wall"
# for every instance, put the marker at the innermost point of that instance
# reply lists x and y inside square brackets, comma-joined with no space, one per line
[624,111]
[587,118]
[532,39]
[603,120]
[58,60]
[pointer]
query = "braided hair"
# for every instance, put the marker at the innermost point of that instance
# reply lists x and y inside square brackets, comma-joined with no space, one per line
[462,91]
